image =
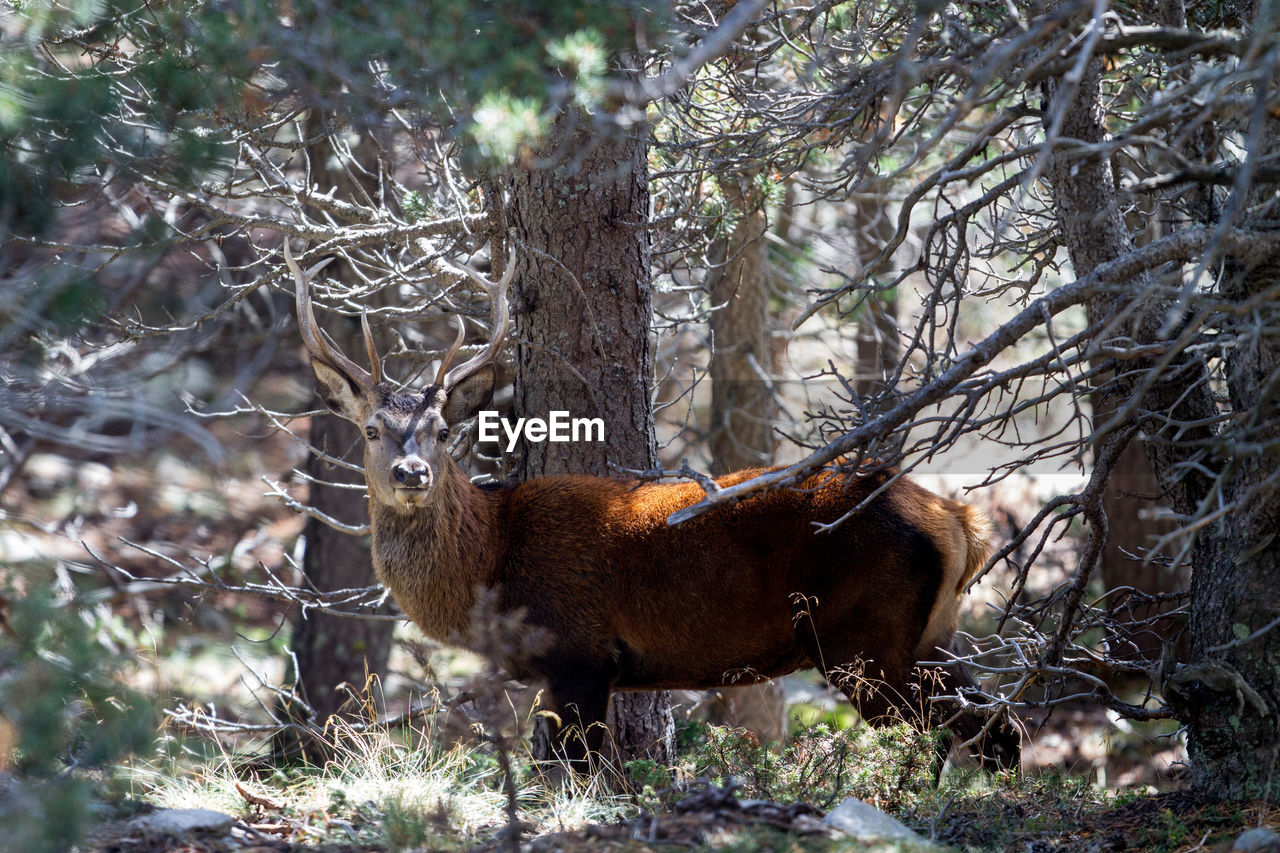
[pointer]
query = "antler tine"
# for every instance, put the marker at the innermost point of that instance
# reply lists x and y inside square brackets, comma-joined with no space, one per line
[501,322]
[313,336]
[370,347]
[453,351]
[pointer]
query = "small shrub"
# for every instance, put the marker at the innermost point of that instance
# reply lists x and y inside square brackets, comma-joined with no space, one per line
[821,766]
[406,824]
[648,775]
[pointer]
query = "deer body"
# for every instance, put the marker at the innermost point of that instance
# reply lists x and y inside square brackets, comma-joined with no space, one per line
[743,592]
[696,606]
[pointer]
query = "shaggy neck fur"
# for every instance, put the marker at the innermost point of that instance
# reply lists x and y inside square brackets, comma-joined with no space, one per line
[434,557]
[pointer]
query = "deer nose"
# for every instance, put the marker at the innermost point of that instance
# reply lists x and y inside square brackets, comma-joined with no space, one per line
[412,473]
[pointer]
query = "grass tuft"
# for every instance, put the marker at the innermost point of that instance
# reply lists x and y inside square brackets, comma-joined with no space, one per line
[398,788]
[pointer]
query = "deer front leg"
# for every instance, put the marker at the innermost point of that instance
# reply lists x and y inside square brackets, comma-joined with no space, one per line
[572,727]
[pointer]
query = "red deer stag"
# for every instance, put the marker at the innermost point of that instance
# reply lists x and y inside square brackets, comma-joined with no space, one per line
[630,603]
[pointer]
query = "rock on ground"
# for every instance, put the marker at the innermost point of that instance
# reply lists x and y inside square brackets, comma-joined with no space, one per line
[865,822]
[1259,840]
[180,822]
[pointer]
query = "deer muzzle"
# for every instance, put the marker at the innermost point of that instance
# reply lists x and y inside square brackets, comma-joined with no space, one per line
[413,478]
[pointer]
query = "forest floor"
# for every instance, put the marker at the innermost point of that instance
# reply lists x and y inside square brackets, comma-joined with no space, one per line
[1014,820]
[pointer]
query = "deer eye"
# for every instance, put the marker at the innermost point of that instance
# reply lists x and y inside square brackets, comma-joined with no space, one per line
[444,434]
[371,433]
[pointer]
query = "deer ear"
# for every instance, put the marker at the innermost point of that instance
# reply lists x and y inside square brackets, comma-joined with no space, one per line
[341,393]
[469,395]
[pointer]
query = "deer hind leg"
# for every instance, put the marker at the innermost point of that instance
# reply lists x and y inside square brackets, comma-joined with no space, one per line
[888,693]
[839,642]
[884,688]
[875,686]
[1000,743]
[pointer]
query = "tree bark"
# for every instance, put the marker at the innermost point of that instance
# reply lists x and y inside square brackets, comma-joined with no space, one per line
[1137,517]
[1229,694]
[582,310]
[336,656]
[742,404]
[878,347]
[1134,524]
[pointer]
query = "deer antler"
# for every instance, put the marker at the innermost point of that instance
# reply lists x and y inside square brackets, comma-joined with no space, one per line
[318,343]
[453,351]
[375,361]
[501,321]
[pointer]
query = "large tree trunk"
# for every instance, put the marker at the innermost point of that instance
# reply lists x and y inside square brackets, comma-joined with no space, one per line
[743,406]
[582,309]
[1229,692]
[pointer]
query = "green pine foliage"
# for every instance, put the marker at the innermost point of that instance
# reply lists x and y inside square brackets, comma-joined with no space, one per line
[72,719]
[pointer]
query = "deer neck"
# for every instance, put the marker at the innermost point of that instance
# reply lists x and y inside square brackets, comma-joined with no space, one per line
[435,557]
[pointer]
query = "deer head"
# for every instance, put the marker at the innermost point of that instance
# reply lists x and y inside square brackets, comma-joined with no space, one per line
[406,434]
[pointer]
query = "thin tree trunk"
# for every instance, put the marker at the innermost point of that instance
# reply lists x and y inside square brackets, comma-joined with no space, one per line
[336,656]
[743,406]
[1137,517]
[878,347]
[582,306]
[1134,524]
